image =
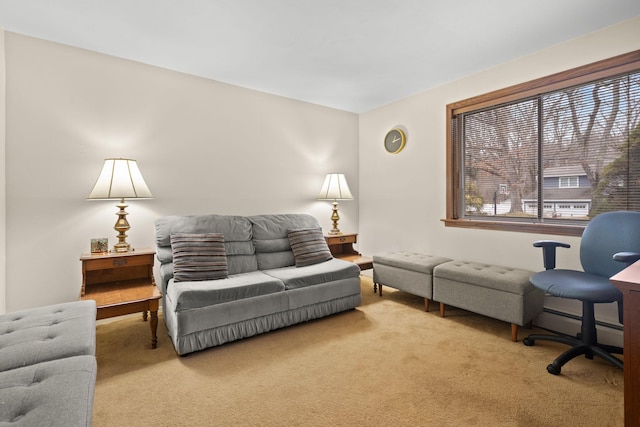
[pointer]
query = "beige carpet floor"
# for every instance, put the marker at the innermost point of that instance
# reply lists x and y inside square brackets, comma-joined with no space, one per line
[387,363]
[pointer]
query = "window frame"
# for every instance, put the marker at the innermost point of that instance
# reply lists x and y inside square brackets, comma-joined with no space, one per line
[603,69]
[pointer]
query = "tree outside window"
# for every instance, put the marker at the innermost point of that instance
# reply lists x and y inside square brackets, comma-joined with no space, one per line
[557,156]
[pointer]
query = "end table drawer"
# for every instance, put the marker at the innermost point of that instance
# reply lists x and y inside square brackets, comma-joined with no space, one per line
[116,262]
[340,239]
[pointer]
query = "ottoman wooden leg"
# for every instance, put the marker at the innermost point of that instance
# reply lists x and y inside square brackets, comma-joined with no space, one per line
[442,309]
[426,304]
[514,332]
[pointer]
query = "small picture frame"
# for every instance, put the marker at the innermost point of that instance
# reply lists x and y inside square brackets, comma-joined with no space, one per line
[100,246]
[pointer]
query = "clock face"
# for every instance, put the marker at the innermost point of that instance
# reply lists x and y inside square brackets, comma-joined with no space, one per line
[394,141]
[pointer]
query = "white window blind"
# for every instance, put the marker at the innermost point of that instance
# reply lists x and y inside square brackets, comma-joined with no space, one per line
[563,155]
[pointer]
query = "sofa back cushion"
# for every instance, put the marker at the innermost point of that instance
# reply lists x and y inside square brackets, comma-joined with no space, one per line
[271,237]
[236,230]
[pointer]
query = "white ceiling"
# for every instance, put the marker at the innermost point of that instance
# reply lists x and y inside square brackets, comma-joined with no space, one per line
[353,55]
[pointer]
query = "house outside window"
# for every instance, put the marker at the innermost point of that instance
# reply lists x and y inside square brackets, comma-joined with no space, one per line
[548,155]
[567,194]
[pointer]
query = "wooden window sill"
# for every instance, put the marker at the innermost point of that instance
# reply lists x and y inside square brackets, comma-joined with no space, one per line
[523,227]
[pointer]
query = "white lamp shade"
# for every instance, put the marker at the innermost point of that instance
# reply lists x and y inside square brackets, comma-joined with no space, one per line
[120,179]
[335,187]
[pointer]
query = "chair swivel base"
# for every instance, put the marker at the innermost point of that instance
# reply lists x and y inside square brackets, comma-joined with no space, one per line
[578,348]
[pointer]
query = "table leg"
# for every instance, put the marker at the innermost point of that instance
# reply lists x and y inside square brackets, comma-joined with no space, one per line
[154,328]
[144,315]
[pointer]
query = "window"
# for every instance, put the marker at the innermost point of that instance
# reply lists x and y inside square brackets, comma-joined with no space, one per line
[547,155]
[568,182]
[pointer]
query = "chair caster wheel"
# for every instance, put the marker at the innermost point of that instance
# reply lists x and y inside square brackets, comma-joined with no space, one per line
[528,342]
[552,369]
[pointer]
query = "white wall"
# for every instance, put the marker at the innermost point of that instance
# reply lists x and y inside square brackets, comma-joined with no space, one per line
[2,180]
[402,196]
[208,147]
[202,146]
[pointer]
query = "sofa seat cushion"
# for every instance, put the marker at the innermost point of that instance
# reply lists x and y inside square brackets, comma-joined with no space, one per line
[310,275]
[31,336]
[55,393]
[190,295]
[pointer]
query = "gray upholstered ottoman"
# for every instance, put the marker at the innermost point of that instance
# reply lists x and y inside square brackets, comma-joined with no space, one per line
[502,293]
[407,271]
[48,365]
[54,393]
[46,333]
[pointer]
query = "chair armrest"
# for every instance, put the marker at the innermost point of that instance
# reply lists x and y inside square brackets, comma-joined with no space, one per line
[627,257]
[549,251]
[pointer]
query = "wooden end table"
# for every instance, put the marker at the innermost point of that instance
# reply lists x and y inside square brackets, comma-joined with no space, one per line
[122,283]
[341,246]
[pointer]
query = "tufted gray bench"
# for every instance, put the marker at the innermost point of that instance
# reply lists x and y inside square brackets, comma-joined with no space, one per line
[54,393]
[411,272]
[502,293]
[48,365]
[40,334]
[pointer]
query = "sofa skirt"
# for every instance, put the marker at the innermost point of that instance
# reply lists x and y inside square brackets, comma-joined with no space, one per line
[194,330]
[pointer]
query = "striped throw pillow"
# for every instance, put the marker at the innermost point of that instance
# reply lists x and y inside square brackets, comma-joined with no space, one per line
[198,257]
[309,246]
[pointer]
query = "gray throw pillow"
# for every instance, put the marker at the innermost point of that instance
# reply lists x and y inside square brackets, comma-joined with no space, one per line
[308,246]
[198,257]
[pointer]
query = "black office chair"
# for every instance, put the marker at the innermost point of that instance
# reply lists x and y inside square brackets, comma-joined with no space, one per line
[610,242]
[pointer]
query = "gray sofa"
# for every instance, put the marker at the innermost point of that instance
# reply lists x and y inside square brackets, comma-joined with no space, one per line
[48,365]
[266,285]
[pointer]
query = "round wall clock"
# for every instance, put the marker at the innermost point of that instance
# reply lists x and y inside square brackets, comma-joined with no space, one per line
[394,141]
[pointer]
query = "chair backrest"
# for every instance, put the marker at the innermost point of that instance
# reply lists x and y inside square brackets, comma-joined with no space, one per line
[607,234]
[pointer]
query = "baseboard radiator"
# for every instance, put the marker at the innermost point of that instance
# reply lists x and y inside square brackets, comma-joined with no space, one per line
[569,324]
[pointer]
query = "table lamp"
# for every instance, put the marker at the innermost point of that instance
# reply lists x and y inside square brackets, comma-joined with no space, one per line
[335,188]
[120,179]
